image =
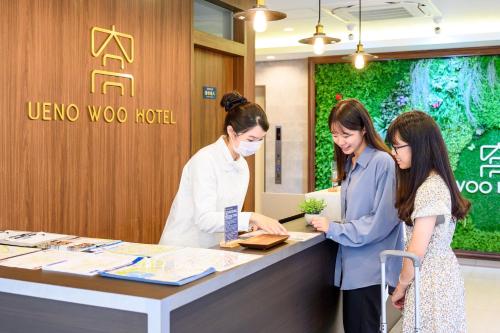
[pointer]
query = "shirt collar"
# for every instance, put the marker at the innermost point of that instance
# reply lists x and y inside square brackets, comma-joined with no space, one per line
[224,150]
[364,159]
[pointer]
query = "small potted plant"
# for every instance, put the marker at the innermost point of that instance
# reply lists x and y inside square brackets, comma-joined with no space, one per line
[312,207]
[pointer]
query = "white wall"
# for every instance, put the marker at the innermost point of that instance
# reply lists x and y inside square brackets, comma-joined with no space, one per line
[286,86]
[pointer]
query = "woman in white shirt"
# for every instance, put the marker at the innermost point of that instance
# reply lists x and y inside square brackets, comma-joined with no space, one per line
[217,177]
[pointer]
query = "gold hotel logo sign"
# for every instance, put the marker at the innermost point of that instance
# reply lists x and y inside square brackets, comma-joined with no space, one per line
[126,55]
[116,47]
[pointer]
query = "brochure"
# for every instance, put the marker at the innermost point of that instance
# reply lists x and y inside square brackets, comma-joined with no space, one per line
[33,239]
[80,243]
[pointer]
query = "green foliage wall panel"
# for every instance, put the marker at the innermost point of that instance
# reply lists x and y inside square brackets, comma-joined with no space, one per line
[461,93]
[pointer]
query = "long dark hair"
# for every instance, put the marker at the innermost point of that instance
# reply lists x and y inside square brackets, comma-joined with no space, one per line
[428,153]
[351,114]
[241,114]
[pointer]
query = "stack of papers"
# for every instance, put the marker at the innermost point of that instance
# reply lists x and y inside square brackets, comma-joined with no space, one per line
[80,243]
[30,239]
[10,233]
[7,251]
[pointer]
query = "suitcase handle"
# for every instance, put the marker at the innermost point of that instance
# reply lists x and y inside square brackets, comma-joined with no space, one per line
[416,264]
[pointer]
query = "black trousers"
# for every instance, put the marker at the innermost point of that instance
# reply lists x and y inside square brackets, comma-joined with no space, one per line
[361,310]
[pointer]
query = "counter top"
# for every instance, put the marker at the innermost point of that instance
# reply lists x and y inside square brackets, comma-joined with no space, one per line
[27,280]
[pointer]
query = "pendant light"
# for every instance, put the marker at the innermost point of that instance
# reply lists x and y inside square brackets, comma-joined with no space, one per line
[360,57]
[259,15]
[319,38]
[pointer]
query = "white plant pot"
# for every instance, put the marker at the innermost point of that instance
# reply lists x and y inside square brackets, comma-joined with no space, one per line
[309,217]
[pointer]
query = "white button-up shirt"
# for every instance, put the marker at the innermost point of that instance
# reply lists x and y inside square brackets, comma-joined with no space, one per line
[211,180]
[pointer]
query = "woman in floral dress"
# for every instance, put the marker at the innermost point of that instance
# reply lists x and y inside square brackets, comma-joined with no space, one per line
[429,202]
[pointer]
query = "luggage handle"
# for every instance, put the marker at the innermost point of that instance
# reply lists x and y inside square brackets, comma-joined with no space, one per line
[416,264]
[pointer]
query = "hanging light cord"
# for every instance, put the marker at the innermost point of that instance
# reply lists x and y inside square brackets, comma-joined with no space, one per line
[319,11]
[359,42]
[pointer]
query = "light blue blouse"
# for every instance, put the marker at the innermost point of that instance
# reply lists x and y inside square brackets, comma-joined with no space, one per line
[370,222]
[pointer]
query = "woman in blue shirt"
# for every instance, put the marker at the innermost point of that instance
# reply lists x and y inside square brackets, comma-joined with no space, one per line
[370,222]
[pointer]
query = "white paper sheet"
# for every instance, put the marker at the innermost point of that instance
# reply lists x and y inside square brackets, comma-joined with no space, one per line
[39,259]
[8,251]
[140,250]
[302,236]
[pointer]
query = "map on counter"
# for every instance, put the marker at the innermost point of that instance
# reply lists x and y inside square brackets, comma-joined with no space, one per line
[221,260]
[91,263]
[140,250]
[80,243]
[167,269]
[8,251]
[181,266]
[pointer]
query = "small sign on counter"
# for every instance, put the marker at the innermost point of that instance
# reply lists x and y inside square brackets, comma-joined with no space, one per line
[230,223]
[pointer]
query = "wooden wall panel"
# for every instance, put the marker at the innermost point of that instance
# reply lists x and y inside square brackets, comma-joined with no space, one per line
[95,179]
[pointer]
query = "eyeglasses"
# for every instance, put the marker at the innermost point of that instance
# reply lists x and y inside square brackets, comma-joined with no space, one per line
[395,148]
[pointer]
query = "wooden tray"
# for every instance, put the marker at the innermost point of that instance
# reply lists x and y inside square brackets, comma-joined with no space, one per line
[263,242]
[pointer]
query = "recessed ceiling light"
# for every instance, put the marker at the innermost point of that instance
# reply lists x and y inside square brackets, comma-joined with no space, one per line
[270,57]
[288,29]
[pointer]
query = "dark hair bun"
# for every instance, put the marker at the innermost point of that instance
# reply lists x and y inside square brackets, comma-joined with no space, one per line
[231,100]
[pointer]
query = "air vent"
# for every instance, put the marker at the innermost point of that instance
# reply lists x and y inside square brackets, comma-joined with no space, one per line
[383,14]
[379,10]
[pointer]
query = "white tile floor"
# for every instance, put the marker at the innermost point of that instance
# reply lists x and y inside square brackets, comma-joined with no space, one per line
[482,296]
[482,292]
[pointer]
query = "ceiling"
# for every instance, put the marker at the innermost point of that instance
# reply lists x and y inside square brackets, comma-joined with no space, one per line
[464,23]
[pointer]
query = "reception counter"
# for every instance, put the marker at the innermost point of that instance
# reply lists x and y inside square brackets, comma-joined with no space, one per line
[289,289]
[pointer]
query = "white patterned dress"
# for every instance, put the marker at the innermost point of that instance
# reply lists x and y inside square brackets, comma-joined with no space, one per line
[442,294]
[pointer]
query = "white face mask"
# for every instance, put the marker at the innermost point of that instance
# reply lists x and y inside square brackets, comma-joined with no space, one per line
[247,148]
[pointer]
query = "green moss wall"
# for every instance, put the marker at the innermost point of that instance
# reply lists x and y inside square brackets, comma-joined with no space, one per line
[461,93]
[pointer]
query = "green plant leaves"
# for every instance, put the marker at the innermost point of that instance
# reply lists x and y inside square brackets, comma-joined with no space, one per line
[312,206]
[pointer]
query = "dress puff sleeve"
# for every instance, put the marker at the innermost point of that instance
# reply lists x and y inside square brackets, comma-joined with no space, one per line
[432,199]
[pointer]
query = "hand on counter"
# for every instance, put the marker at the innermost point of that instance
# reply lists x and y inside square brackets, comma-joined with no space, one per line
[267,224]
[321,223]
